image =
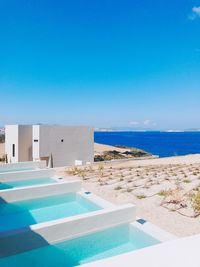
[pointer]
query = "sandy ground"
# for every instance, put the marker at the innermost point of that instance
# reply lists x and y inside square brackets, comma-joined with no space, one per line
[162,189]
[100,148]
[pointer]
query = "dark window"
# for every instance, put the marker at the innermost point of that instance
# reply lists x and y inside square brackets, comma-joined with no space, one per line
[13,150]
[35,140]
[62,140]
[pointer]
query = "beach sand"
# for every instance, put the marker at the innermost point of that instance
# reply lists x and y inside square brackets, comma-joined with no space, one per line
[161,188]
[100,148]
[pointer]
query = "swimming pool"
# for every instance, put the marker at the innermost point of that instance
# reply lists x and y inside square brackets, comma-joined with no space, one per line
[84,249]
[30,182]
[24,213]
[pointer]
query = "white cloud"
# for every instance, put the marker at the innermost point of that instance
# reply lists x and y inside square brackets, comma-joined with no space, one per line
[134,123]
[146,122]
[149,123]
[195,13]
[142,124]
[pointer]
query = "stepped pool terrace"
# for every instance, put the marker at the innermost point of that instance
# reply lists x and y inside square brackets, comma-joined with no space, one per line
[87,248]
[21,214]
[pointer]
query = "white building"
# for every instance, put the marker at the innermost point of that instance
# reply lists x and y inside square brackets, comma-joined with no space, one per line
[18,143]
[68,145]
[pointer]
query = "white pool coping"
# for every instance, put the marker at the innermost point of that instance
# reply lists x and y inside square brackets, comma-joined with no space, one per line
[96,199]
[39,191]
[154,231]
[27,175]
[9,167]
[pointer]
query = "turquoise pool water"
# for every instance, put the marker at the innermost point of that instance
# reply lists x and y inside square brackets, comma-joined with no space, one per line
[84,249]
[31,182]
[29,212]
[16,170]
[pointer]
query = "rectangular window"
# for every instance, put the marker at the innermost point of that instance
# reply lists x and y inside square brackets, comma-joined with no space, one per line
[13,150]
[35,140]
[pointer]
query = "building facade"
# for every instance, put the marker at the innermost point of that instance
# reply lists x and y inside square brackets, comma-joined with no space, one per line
[65,145]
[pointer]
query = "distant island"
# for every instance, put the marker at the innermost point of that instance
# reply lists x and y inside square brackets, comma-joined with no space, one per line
[129,129]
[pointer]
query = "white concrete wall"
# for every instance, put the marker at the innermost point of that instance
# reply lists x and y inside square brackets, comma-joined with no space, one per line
[25,142]
[38,191]
[11,137]
[22,166]
[36,142]
[78,142]
[21,137]
[26,175]
[63,229]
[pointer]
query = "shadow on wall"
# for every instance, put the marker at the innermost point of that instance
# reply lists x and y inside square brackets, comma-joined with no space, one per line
[30,156]
[2,150]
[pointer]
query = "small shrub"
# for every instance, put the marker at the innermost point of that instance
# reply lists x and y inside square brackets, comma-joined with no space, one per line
[195,201]
[101,168]
[164,193]
[74,171]
[118,187]
[187,181]
[129,190]
[142,196]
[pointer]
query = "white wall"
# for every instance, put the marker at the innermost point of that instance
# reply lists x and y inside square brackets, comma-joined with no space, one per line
[38,191]
[11,137]
[36,141]
[26,175]
[21,137]
[21,166]
[78,142]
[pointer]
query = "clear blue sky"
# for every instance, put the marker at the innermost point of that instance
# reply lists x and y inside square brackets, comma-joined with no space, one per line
[100,62]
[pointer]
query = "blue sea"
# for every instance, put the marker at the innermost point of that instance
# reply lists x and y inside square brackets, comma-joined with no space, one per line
[163,144]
